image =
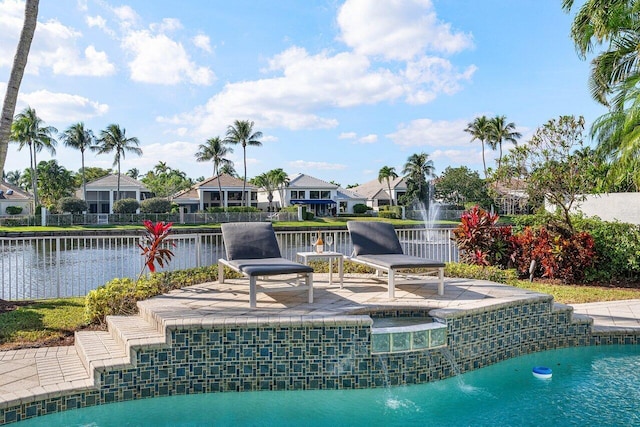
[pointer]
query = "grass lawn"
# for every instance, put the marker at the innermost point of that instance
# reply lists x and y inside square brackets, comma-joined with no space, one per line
[316,222]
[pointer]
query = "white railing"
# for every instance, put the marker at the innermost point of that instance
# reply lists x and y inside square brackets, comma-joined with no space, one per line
[63,266]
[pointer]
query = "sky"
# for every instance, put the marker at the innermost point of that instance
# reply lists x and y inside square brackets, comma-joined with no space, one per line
[338,89]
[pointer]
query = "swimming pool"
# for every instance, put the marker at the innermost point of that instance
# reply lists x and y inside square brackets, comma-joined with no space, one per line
[589,386]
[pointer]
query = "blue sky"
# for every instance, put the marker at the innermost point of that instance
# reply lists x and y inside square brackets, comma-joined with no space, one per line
[338,88]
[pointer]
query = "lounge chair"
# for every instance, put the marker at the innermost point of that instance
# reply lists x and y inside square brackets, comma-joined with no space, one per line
[252,250]
[376,245]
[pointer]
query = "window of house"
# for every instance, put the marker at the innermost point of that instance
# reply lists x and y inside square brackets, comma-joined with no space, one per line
[325,194]
[314,195]
[297,194]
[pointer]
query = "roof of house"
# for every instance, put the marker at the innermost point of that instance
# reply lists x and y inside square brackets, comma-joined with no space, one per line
[226,182]
[373,189]
[111,181]
[344,194]
[13,192]
[301,180]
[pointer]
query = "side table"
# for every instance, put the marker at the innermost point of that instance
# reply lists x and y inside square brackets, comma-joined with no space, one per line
[304,257]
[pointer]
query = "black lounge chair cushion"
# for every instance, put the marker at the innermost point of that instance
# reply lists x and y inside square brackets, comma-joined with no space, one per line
[269,266]
[395,261]
[373,238]
[250,240]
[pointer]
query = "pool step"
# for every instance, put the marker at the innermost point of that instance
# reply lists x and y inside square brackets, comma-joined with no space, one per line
[115,349]
[98,351]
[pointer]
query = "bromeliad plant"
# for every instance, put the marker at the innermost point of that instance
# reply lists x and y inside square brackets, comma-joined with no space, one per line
[155,246]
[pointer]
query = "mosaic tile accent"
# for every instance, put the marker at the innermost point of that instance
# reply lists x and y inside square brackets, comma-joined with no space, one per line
[305,357]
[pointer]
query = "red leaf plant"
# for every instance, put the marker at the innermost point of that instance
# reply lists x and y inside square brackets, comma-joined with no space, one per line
[155,246]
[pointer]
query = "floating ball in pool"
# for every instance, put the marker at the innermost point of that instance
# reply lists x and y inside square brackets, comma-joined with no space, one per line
[542,372]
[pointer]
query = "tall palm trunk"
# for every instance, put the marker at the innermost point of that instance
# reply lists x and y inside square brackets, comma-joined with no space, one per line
[219,187]
[244,182]
[34,176]
[484,162]
[15,78]
[390,195]
[84,179]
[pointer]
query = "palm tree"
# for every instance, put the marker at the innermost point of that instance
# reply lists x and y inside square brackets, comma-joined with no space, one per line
[281,179]
[479,129]
[13,177]
[28,129]
[266,182]
[241,132]
[616,23]
[417,169]
[161,168]
[15,78]
[214,149]
[114,139]
[133,173]
[228,169]
[501,131]
[387,173]
[76,136]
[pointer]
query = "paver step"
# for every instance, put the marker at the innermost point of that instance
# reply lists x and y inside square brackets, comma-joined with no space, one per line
[134,331]
[98,350]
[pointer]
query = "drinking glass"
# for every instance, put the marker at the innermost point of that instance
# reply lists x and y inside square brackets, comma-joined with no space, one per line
[329,240]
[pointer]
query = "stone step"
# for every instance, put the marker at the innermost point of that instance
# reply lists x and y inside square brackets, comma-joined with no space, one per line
[135,332]
[575,317]
[99,351]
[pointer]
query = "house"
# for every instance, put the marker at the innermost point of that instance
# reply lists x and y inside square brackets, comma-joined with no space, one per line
[377,193]
[206,194]
[11,195]
[347,198]
[102,192]
[318,197]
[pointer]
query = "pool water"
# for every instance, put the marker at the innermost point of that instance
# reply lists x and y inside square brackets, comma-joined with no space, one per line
[589,386]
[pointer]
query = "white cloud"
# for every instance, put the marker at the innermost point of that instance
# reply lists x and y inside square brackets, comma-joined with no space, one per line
[369,139]
[397,30]
[161,60]
[99,22]
[203,42]
[127,16]
[167,25]
[304,165]
[306,83]
[54,46]
[429,133]
[62,108]
[347,135]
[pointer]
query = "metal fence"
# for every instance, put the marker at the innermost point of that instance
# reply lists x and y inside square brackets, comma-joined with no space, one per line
[186,218]
[64,266]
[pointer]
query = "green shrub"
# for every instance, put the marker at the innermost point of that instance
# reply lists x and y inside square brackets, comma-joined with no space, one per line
[125,206]
[392,212]
[13,210]
[308,216]
[232,209]
[468,271]
[119,296]
[360,208]
[71,204]
[155,205]
[617,248]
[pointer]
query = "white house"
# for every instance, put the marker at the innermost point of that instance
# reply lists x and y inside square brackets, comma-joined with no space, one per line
[101,193]
[347,198]
[206,194]
[377,193]
[11,195]
[319,197]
